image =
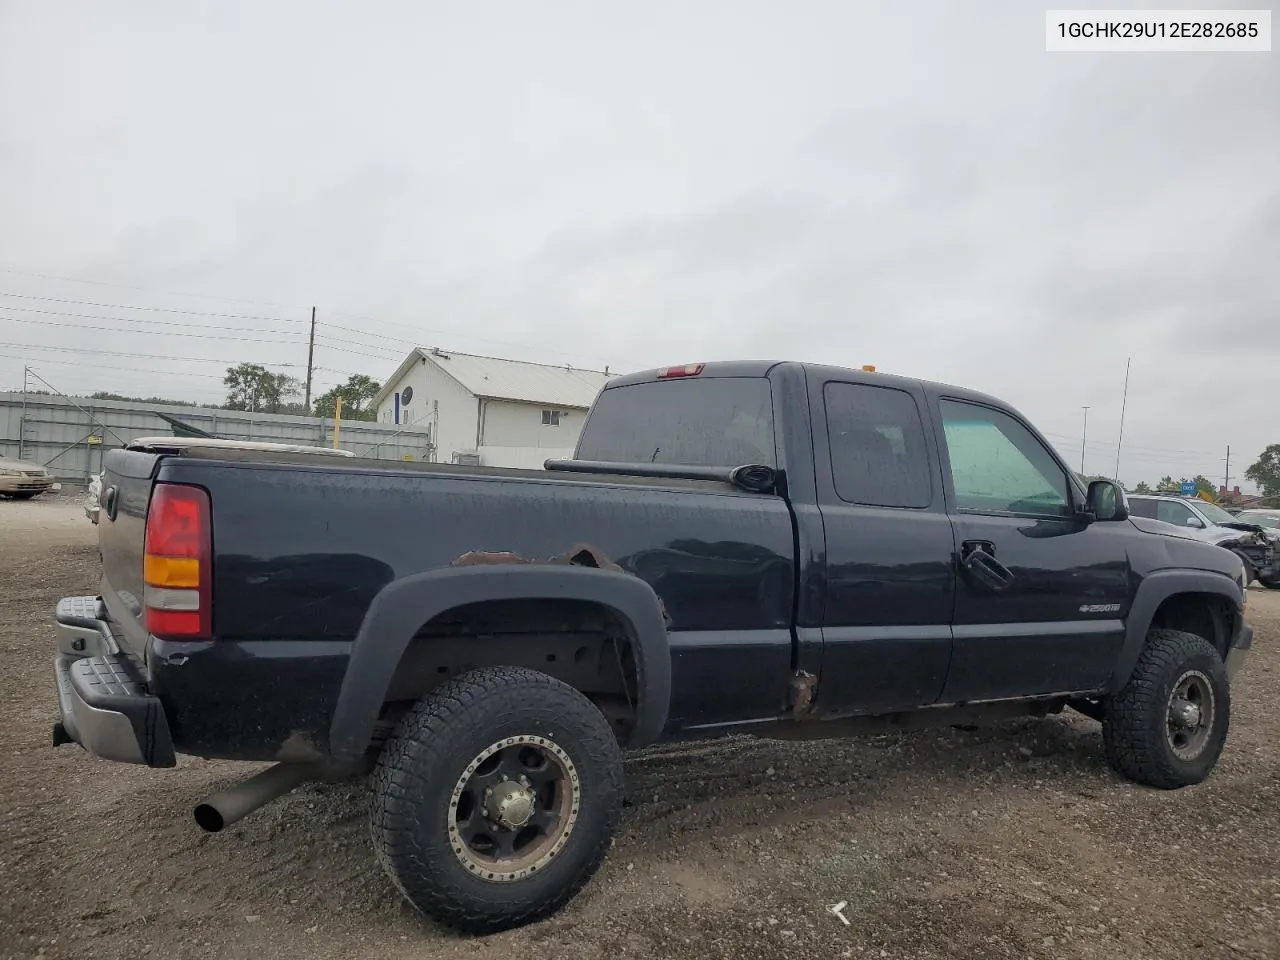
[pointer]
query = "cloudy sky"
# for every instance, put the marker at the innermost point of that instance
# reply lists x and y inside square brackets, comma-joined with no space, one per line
[917,185]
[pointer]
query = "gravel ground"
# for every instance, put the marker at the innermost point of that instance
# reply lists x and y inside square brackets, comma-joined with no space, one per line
[1014,841]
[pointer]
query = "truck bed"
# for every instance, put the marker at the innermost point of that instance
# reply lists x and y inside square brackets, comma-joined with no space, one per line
[302,546]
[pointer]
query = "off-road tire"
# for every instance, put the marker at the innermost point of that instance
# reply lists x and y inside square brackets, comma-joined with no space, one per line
[1135,724]
[434,743]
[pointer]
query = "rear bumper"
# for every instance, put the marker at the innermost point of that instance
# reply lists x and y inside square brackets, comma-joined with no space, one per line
[103,704]
[25,484]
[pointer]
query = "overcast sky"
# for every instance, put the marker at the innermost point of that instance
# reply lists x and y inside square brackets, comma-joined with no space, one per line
[915,185]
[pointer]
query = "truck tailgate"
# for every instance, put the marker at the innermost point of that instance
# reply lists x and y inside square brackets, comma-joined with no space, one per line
[126,491]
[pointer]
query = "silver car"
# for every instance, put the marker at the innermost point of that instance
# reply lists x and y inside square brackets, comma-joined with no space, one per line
[23,480]
[1252,542]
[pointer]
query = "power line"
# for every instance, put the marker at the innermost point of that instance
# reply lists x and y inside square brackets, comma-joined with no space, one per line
[200,336]
[1108,444]
[97,366]
[418,331]
[163,323]
[279,306]
[444,333]
[328,342]
[135,356]
[131,306]
[126,286]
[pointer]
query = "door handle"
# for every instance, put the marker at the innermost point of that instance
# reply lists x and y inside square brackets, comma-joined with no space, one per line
[978,560]
[110,501]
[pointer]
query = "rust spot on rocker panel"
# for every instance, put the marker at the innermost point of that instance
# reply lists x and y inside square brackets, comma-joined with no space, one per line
[803,687]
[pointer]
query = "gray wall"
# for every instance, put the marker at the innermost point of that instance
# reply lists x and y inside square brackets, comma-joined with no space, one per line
[55,431]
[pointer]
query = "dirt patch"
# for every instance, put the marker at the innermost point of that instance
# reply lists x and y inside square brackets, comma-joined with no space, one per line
[1014,841]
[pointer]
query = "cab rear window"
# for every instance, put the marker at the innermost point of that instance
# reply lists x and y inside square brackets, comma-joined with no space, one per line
[712,422]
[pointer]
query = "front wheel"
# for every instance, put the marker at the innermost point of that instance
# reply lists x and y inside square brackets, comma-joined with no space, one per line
[1271,583]
[1168,726]
[496,799]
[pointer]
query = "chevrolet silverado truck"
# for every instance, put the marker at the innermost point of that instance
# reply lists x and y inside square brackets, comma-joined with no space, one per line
[783,549]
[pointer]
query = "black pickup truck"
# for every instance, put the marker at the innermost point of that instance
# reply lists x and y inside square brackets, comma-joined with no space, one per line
[784,549]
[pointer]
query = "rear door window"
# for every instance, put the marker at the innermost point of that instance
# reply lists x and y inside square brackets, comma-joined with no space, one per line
[712,422]
[878,453]
[1143,508]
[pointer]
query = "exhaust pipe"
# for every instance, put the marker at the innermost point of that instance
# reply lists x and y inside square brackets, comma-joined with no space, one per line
[227,806]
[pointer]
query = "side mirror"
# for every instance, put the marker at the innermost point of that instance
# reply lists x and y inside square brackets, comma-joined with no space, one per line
[1106,501]
[1194,522]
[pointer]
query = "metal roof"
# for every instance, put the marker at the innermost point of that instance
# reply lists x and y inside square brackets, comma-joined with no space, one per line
[519,380]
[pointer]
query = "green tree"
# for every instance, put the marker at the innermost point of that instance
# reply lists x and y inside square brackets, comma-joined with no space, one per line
[1266,471]
[1142,487]
[357,399]
[252,387]
[107,395]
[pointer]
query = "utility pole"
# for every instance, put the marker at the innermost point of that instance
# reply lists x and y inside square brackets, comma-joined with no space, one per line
[1084,439]
[22,418]
[1226,479]
[311,352]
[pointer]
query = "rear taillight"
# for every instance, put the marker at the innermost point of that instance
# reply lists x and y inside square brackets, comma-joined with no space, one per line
[178,563]
[687,370]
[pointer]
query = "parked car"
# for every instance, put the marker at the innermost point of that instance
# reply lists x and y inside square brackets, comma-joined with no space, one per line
[93,498]
[22,480]
[784,549]
[1269,521]
[1251,542]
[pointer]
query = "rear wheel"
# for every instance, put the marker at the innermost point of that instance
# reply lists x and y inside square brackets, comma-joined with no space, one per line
[1270,583]
[1168,726]
[26,494]
[496,798]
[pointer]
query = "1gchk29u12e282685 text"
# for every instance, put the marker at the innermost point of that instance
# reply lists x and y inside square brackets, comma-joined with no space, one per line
[1158,31]
[1161,30]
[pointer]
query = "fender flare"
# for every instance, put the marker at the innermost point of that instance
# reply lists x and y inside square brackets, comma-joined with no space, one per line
[403,606]
[1154,590]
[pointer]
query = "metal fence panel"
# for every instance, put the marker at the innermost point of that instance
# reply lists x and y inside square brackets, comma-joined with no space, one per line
[70,435]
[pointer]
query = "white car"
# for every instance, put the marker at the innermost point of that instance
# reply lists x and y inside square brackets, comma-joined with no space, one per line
[23,480]
[1253,543]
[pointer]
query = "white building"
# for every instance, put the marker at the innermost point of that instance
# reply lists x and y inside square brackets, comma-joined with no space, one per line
[499,413]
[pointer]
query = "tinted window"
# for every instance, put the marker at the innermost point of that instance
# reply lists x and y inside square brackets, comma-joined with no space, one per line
[1170,511]
[998,466]
[1143,508]
[877,446]
[713,422]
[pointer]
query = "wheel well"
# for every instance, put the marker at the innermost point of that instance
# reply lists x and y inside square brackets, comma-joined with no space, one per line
[1206,615]
[584,644]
